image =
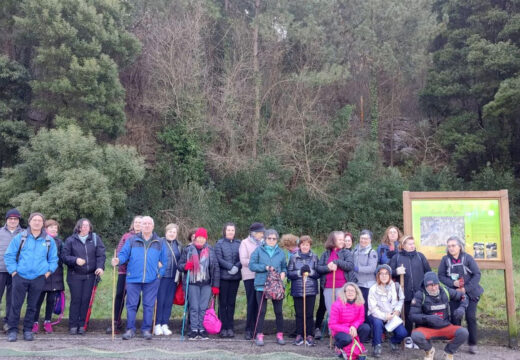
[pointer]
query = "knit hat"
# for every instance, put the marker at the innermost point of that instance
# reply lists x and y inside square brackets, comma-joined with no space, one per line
[201,232]
[384,266]
[13,213]
[430,278]
[257,227]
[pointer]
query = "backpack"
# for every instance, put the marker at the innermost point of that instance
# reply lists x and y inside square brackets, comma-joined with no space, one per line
[24,238]
[59,306]
[273,287]
[449,266]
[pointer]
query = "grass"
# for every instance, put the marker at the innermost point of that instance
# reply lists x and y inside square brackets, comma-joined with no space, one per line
[491,308]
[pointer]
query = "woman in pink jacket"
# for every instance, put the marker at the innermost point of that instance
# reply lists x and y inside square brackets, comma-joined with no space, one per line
[347,321]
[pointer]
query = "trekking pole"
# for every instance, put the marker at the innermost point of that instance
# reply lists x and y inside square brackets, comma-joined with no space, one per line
[401,282]
[333,298]
[114,300]
[92,297]
[185,305]
[154,314]
[258,316]
[305,274]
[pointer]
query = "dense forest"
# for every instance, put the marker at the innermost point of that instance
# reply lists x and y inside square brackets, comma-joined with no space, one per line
[308,115]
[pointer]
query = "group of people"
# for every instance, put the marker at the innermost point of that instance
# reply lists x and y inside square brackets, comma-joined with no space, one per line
[367,293]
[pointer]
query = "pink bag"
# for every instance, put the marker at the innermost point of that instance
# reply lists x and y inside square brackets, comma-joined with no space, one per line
[211,322]
[354,349]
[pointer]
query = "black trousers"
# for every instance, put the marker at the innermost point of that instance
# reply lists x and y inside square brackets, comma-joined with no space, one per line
[252,304]
[322,309]
[227,301]
[6,284]
[80,292]
[20,288]
[408,322]
[309,315]
[278,313]
[49,304]
[471,319]
[120,299]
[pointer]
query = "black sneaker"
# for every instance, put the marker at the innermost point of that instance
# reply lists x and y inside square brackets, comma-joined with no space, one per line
[298,341]
[377,351]
[147,334]
[203,335]
[248,335]
[81,330]
[73,331]
[130,333]
[28,336]
[12,336]
[230,333]
[192,335]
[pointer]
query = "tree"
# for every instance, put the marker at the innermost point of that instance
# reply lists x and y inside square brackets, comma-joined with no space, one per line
[67,175]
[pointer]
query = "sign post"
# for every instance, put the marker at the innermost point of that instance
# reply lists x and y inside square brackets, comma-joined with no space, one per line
[481,218]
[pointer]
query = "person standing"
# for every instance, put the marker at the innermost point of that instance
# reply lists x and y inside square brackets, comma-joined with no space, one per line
[7,233]
[84,254]
[389,244]
[459,271]
[30,258]
[53,284]
[227,251]
[365,264]
[143,255]
[168,283]
[247,247]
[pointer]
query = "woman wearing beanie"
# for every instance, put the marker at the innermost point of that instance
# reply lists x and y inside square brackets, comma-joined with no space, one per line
[365,264]
[200,260]
[168,283]
[385,301]
[227,251]
[268,257]
[458,270]
[246,248]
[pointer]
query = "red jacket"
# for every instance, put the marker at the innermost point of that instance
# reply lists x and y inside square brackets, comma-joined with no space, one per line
[343,316]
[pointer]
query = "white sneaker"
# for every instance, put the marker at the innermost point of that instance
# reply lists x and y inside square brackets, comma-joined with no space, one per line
[165,330]
[157,330]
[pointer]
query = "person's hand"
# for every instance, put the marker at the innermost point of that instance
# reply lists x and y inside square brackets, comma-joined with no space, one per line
[305,269]
[115,261]
[47,274]
[456,283]
[80,261]
[458,314]
[159,265]
[461,282]
[332,266]
[352,331]
[282,276]
[233,270]
[401,270]
[389,316]
[396,313]
[215,290]
[99,272]
[188,266]
[14,273]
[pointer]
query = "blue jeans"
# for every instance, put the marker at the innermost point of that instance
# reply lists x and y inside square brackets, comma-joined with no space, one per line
[198,301]
[165,296]
[378,327]
[133,290]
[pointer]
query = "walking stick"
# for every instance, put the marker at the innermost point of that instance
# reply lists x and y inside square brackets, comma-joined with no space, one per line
[258,316]
[114,300]
[154,314]
[401,282]
[92,297]
[333,298]
[185,305]
[305,274]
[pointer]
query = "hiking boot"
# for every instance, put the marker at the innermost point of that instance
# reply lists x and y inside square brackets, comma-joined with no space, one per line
[429,354]
[248,335]
[36,327]
[259,339]
[394,347]
[147,334]
[12,336]
[47,326]
[28,336]
[279,338]
[298,341]
[73,331]
[166,330]
[230,333]
[203,335]
[378,349]
[193,334]
[317,334]
[473,349]
[130,333]
[157,330]
[223,333]
[310,341]
[447,356]
[81,330]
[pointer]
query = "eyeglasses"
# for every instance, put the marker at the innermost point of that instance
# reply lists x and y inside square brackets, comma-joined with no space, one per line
[453,245]
[272,238]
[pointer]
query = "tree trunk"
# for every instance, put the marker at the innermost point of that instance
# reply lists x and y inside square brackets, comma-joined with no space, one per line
[258,82]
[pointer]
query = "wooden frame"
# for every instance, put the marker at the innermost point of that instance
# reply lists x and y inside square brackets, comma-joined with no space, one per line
[506,263]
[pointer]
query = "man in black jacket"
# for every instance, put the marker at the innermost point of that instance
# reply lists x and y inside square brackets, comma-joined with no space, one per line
[430,310]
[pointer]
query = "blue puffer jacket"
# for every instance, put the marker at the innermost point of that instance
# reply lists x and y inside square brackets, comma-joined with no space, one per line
[37,256]
[311,284]
[173,252]
[384,254]
[260,258]
[143,259]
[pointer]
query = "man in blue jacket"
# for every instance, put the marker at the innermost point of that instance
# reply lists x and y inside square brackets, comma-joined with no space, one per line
[30,259]
[145,256]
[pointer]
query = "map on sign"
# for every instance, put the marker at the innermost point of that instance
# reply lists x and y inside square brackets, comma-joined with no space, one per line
[436,229]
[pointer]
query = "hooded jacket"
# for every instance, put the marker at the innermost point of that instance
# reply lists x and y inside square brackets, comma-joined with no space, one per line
[467,269]
[384,301]
[142,258]
[92,251]
[260,258]
[416,266]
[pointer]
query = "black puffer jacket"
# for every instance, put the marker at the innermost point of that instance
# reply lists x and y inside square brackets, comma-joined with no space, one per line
[467,268]
[227,255]
[93,252]
[55,281]
[416,266]
[173,249]
[213,268]
[293,272]
[345,263]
